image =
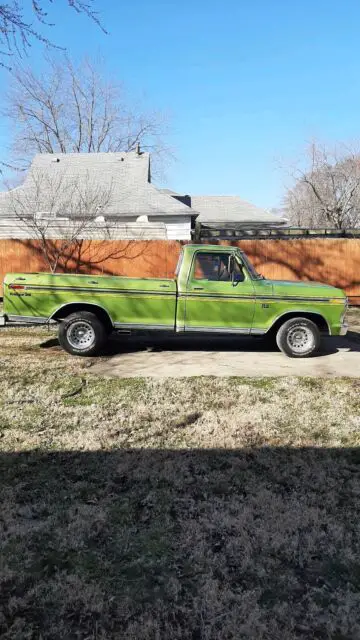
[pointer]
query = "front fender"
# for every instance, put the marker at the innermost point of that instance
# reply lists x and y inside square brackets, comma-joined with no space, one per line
[268,316]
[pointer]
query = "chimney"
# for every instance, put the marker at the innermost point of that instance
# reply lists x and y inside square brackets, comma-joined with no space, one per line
[138,148]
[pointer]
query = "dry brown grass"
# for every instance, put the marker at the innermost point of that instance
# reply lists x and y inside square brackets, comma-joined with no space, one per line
[202,508]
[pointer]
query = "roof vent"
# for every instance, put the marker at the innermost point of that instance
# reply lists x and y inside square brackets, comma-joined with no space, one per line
[137,150]
[56,160]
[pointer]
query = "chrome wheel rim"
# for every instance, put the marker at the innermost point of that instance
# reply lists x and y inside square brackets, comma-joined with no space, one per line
[80,335]
[300,339]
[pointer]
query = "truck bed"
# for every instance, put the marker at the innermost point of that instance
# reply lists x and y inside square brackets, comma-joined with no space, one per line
[128,301]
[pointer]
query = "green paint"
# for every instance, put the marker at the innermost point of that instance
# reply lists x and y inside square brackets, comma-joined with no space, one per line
[186,303]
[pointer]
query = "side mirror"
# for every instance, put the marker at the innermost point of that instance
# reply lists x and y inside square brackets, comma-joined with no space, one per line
[231,265]
[235,271]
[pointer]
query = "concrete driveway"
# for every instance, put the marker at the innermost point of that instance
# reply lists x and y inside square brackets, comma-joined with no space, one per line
[181,356]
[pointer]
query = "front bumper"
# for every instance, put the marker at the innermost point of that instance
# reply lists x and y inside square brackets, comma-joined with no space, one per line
[344,329]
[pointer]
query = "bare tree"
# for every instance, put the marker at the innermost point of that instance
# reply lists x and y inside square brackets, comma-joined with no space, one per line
[73,108]
[17,32]
[327,192]
[67,216]
[60,212]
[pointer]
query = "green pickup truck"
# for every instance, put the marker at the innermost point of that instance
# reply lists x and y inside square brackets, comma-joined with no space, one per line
[215,290]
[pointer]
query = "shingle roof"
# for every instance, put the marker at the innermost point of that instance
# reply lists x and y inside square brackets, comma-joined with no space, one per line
[231,209]
[126,175]
[227,209]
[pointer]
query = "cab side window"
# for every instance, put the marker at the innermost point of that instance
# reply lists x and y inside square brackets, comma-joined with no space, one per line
[214,267]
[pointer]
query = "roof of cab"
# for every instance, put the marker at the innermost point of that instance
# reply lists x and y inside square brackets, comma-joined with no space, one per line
[211,247]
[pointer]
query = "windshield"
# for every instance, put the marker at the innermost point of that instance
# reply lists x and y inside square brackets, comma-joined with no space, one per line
[251,269]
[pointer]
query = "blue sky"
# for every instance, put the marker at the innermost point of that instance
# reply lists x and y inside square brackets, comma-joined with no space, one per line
[247,83]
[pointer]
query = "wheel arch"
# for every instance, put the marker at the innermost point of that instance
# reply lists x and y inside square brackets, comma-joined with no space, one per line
[316,317]
[72,307]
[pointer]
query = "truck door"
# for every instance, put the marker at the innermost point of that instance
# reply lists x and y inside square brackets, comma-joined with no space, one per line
[216,299]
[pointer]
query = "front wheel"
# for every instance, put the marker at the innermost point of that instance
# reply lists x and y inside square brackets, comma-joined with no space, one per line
[298,338]
[82,334]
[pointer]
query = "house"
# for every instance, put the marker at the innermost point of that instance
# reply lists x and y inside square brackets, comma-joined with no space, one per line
[115,192]
[215,211]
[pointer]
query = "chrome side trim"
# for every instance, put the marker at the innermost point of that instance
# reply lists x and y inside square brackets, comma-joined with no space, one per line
[212,296]
[140,326]
[300,298]
[299,311]
[141,292]
[90,304]
[163,327]
[254,297]
[241,331]
[29,319]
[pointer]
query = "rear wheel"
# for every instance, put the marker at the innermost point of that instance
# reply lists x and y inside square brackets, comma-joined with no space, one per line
[82,334]
[298,338]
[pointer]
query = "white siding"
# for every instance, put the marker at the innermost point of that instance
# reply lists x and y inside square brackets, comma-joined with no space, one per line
[158,228]
[177,227]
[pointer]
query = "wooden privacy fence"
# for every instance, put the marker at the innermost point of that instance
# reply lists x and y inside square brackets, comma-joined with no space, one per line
[333,261]
[137,258]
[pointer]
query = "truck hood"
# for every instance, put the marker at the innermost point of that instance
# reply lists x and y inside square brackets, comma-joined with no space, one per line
[305,289]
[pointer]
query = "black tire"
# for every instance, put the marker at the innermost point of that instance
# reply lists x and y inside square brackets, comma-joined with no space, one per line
[298,338]
[82,334]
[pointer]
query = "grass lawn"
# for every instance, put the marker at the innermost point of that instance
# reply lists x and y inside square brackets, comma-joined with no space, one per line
[192,509]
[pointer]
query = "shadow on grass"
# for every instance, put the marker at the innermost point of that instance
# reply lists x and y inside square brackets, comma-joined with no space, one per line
[145,544]
[118,344]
